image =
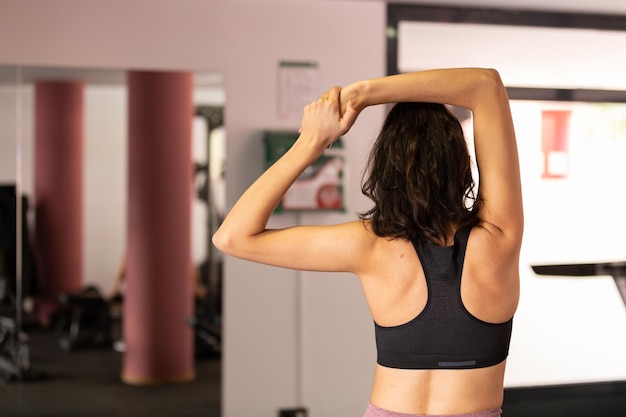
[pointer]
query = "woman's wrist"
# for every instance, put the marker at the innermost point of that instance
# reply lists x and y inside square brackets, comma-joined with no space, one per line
[308,148]
[356,93]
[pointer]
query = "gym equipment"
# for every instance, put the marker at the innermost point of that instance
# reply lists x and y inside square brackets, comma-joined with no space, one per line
[84,320]
[206,321]
[14,351]
[615,269]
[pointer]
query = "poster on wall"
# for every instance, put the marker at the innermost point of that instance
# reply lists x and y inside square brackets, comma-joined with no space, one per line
[298,85]
[320,186]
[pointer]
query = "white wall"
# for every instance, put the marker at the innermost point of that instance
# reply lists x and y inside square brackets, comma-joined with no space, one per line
[105,181]
[263,369]
[570,329]
[290,338]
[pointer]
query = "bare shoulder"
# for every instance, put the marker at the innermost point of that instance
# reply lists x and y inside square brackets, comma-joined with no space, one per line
[380,255]
[491,273]
[493,239]
[360,233]
[492,256]
[344,247]
[366,241]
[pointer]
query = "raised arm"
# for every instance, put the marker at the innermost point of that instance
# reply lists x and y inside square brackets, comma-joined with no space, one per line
[244,231]
[481,91]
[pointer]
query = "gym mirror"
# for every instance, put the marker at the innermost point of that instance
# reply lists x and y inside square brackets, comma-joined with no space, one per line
[35,352]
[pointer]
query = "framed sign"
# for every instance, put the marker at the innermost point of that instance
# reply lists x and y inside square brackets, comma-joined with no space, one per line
[320,186]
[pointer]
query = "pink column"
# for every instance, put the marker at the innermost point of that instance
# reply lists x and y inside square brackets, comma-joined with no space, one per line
[59,186]
[158,297]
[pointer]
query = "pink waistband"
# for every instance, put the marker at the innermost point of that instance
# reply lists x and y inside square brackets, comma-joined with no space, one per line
[374,411]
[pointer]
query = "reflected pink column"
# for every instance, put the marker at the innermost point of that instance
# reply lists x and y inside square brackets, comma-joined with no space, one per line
[58,186]
[158,297]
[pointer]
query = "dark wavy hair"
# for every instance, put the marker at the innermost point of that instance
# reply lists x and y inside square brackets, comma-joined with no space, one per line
[419,175]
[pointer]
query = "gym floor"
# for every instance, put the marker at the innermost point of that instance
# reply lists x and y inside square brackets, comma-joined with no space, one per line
[86,382]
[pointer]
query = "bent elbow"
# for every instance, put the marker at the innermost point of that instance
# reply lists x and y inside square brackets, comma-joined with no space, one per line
[490,75]
[222,241]
[488,88]
[493,79]
[232,241]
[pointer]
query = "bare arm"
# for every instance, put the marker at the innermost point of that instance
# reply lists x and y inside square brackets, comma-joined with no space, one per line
[244,231]
[481,91]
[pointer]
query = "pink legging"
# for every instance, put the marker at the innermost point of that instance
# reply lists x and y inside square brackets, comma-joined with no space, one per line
[373,411]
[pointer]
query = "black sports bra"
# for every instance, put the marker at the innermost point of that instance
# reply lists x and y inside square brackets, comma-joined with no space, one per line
[444,334]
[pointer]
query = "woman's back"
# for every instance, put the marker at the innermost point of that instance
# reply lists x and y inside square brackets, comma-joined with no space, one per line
[396,289]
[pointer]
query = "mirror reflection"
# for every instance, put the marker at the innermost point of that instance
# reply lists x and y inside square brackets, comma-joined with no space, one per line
[54,340]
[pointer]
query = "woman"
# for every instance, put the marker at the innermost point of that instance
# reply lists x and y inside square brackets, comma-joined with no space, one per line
[439,268]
